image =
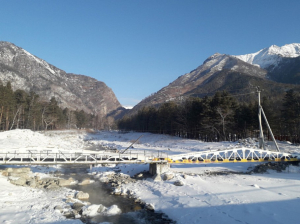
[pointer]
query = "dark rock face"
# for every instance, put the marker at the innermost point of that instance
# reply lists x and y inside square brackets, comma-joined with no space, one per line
[288,71]
[30,73]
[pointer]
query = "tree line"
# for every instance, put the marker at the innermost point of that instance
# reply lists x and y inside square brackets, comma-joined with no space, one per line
[23,110]
[217,118]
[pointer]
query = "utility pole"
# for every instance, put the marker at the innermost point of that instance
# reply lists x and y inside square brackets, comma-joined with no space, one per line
[261,134]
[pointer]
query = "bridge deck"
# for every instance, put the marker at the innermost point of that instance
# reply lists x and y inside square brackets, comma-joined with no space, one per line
[229,155]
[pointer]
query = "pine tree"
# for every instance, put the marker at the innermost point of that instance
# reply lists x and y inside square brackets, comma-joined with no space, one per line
[291,113]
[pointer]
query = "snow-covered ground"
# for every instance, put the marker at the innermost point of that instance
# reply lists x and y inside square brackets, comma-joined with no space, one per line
[27,205]
[24,140]
[204,198]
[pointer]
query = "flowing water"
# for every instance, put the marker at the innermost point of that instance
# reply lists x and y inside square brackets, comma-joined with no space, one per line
[132,213]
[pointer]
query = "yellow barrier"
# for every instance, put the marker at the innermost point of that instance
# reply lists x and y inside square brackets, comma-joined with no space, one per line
[224,160]
[227,161]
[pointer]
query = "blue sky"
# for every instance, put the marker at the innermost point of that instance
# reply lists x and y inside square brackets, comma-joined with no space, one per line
[136,46]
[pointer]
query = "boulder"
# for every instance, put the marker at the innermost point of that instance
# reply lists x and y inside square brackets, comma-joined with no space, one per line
[58,208]
[81,195]
[101,208]
[64,182]
[149,207]
[21,181]
[77,206]
[51,186]
[168,176]
[178,183]
[70,214]
[85,182]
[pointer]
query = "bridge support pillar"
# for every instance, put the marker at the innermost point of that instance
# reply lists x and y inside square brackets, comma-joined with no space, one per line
[158,168]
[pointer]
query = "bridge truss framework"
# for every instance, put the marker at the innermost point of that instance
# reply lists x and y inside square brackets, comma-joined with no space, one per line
[221,156]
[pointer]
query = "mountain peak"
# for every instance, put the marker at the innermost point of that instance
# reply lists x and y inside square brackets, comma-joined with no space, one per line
[272,55]
[77,92]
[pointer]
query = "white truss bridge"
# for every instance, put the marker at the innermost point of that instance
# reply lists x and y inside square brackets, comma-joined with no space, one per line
[233,155]
[49,157]
[230,155]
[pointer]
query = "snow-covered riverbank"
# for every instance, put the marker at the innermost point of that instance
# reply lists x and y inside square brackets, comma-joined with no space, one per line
[204,198]
[28,205]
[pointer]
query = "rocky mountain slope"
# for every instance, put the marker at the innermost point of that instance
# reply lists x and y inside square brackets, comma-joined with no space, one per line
[287,72]
[30,73]
[268,68]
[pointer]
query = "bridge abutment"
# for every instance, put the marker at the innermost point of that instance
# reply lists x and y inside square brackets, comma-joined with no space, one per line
[158,168]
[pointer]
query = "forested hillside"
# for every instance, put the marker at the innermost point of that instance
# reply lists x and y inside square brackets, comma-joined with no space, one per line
[27,72]
[19,109]
[220,117]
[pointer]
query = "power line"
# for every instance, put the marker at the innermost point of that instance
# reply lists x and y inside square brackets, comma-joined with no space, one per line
[243,94]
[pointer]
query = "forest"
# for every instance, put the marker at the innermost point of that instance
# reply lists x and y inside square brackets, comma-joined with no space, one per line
[22,110]
[220,117]
[216,118]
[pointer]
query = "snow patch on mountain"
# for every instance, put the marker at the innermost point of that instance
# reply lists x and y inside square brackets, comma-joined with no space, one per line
[271,56]
[42,62]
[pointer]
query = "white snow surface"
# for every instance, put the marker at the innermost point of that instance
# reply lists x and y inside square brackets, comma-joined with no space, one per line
[204,198]
[22,140]
[271,56]
[28,205]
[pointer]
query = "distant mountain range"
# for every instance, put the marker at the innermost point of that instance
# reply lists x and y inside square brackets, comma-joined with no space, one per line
[30,73]
[275,69]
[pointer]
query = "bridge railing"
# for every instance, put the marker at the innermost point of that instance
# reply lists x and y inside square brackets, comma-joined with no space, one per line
[49,157]
[59,157]
[234,155]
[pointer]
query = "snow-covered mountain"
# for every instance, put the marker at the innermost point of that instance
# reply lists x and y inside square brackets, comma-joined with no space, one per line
[30,73]
[218,72]
[268,68]
[271,56]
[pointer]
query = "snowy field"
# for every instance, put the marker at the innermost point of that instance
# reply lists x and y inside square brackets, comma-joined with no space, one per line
[204,198]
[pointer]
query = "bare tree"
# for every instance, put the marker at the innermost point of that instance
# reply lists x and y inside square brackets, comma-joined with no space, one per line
[224,114]
[47,119]
[13,122]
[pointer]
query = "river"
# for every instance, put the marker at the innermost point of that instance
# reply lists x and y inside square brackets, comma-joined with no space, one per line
[132,213]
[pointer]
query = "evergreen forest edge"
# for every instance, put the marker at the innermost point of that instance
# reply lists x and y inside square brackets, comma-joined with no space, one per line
[220,117]
[216,118]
